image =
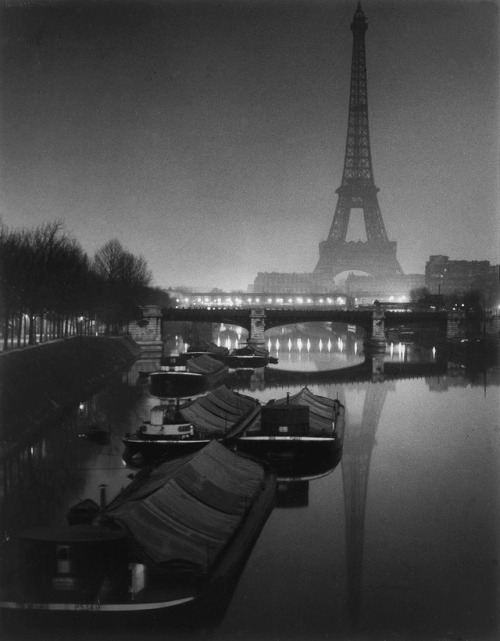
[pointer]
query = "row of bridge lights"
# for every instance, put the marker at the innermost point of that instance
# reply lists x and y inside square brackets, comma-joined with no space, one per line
[298,300]
[402,348]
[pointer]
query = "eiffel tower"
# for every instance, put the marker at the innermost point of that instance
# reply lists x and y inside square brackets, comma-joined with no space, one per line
[376,256]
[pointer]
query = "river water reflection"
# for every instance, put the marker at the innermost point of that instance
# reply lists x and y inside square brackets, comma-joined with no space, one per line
[399,541]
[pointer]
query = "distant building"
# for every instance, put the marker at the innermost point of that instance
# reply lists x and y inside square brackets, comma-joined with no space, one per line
[366,289]
[445,276]
[284,283]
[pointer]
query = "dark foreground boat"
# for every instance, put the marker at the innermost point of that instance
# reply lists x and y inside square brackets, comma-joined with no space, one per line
[207,348]
[186,378]
[302,425]
[249,357]
[175,536]
[174,430]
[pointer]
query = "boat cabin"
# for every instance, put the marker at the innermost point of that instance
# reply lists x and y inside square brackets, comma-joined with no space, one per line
[285,420]
[165,421]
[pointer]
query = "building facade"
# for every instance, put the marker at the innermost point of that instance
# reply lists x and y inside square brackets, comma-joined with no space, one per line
[446,277]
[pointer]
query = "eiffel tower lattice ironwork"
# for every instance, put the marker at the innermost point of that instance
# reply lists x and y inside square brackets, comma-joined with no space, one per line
[376,256]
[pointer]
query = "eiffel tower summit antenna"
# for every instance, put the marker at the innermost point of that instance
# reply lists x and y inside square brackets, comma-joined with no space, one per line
[376,256]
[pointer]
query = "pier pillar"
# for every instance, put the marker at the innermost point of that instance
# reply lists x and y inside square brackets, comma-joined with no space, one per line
[257,326]
[147,332]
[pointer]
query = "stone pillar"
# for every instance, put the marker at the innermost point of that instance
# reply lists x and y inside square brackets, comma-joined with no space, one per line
[147,331]
[257,326]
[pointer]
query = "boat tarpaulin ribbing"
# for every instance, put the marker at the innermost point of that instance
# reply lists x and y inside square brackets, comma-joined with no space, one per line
[205,364]
[186,510]
[322,410]
[219,411]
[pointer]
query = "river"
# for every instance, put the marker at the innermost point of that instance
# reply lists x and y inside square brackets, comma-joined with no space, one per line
[398,542]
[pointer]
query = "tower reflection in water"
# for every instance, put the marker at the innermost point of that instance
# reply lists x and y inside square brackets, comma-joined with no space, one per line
[43,460]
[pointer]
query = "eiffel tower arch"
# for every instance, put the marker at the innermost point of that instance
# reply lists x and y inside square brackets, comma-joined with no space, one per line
[377,255]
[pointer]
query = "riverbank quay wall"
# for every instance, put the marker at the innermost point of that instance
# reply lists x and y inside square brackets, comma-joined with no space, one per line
[39,384]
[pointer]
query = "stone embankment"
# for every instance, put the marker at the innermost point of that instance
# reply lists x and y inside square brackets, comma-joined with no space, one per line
[39,383]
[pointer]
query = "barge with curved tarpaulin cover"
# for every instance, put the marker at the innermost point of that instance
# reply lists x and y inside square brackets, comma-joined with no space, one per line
[301,425]
[178,533]
[185,378]
[175,429]
[248,357]
[208,348]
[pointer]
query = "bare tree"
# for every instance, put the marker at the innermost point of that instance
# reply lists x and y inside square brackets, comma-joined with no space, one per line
[124,279]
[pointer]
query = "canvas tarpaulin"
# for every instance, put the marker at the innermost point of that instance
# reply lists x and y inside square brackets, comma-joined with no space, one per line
[186,510]
[218,411]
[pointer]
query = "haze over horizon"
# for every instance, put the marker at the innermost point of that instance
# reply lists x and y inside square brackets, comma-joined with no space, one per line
[209,136]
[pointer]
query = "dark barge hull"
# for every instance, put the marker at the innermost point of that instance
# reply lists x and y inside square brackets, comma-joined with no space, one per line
[164,384]
[154,449]
[275,448]
[198,609]
[246,362]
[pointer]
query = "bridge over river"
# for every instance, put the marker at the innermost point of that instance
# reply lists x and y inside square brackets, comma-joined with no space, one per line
[375,320]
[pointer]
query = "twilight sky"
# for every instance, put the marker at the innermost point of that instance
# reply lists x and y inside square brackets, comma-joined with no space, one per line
[209,136]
